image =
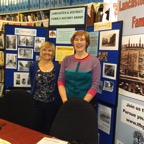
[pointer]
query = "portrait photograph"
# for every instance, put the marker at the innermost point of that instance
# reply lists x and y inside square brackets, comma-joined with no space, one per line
[108,86]
[24,65]
[11,61]
[109,40]
[25,53]
[109,70]
[11,42]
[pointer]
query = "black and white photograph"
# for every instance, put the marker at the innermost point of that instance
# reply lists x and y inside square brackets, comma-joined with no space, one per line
[109,70]
[11,61]
[132,67]
[11,42]
[1,89]
[104,118]
[21,79]
[25,41]
[100,87]
[108,86]
[1,58]
[1,75]
[1,40]
[25,53]
[24,65]
[37,43]
[37,58]
[109,40]
[103,56]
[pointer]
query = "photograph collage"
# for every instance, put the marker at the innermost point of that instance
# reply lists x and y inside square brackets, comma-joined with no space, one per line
[108,44]
[20,51]
[1,62]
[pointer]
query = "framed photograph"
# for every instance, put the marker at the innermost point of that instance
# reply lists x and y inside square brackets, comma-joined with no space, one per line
[24,65]
[1,89]
[103,56]
[11,61]
[21,79]
[37,58]
[37,43]
[25,41]
[108,86]
[109,70]
[11,42]
[52,34]
[1,75]
[25,53]
[109,40]
[1,40]
[100,87]
[1,58]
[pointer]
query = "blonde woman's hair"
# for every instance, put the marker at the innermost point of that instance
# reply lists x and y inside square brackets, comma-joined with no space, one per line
[48,45]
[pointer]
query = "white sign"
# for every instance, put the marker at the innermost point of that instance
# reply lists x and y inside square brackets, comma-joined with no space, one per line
[71,16]
[63,35]
[132,114]
[24,31]
[131,12]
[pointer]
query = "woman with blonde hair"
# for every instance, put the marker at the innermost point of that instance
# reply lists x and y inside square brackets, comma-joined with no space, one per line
[43,77]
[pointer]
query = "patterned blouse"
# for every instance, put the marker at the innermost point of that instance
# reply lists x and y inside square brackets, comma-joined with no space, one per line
[45,86]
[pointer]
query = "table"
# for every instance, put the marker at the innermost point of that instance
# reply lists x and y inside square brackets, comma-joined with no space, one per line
[17,134]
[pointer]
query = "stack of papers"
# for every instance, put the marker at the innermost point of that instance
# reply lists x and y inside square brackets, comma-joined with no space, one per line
[2,141]
[46,140]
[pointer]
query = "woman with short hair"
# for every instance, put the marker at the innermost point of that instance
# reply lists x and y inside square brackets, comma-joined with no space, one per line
[43,77]
[80,73]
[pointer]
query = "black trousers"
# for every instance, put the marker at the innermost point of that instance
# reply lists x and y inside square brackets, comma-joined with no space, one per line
[45,113]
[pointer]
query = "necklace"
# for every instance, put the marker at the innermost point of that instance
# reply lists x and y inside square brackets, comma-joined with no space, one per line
[46,67]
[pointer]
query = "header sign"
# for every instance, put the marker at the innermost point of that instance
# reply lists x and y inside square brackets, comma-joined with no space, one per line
[67,16]
[131,12]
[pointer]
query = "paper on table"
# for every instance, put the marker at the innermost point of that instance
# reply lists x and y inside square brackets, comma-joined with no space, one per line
[46,140]
[2,141]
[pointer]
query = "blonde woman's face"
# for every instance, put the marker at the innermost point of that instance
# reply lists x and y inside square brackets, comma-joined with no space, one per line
[46,53]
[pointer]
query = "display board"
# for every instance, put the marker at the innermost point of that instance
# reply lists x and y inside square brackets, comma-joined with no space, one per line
[22,45]
[106,45]
[108,50]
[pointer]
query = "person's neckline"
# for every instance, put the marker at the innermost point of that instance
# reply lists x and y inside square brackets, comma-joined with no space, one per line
[81,58]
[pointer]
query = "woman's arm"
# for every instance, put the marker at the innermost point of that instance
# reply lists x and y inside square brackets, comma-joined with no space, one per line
[88,97]
[62,92]
[96,73]
[61,82]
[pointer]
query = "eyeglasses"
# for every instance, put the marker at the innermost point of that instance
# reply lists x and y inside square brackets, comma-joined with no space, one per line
[81,40]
